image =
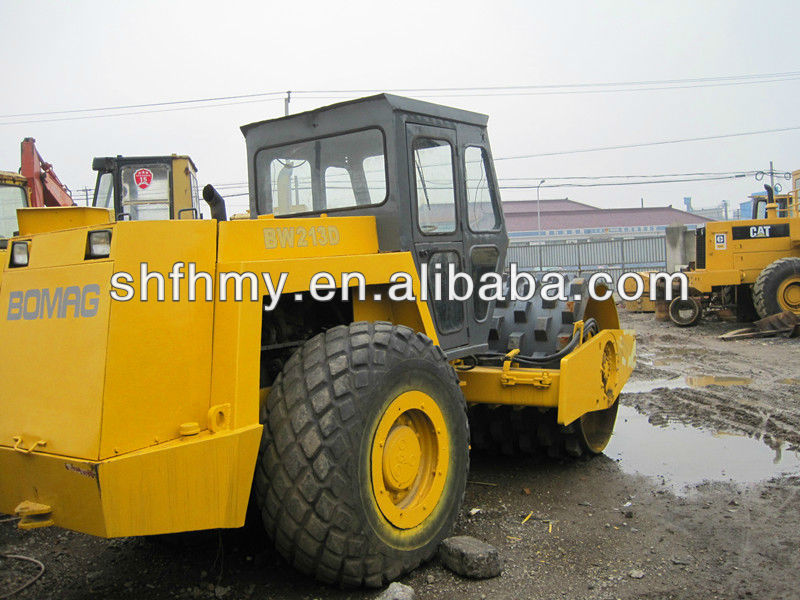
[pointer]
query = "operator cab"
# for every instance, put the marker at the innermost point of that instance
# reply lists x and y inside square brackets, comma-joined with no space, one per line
[13,195]
[786,203]
[147,188]
[424,171]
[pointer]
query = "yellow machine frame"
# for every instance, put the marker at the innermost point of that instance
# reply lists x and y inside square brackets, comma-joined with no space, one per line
[157,429]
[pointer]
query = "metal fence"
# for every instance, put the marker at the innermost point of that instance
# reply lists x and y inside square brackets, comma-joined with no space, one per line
[581,258]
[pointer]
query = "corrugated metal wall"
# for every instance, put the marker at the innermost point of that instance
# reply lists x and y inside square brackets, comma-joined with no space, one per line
[584,257]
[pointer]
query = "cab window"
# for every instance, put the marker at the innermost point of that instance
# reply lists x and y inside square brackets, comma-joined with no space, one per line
[482,209]
[435,190]
[145,192]
[12,197]
[195,189]
[337,172]
[104,194]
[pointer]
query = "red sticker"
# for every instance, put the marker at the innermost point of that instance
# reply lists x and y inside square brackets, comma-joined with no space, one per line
[143,178]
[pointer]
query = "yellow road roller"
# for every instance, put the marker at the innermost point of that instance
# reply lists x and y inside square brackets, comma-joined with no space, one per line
[294,359]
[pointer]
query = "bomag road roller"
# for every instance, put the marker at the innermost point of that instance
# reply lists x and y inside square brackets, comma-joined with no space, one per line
[751,265]
[347,420]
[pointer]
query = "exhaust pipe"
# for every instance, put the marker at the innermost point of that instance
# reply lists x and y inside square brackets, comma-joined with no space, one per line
[215,202]
[770,194]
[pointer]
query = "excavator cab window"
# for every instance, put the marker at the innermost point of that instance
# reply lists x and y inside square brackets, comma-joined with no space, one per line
[12,197]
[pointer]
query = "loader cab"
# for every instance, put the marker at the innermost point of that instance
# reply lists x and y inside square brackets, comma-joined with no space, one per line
[424,171]
[786,205]
[147,188]
[13,195]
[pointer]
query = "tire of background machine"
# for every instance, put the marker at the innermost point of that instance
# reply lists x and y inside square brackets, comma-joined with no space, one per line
[691,303]
[768,282]
[313,476]
[745,307]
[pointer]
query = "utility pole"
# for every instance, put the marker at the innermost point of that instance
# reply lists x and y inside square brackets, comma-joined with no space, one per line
[772,173]
[538,208]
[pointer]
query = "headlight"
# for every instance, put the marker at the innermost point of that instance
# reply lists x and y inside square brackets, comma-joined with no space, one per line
[98,244]
[19,254]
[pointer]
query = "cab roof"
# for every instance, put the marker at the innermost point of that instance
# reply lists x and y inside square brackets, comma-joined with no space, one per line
[101,163]
[394,103]
[9,177]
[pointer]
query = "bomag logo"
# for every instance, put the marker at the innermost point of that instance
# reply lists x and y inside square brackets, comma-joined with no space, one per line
[60,303]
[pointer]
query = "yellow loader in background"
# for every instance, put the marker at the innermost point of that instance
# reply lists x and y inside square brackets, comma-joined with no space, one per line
[752,264]
[348,417]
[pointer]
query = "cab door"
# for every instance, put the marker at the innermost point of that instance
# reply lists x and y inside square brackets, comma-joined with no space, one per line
[438,232]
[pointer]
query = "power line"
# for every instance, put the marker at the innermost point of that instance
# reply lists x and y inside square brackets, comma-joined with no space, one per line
[581,185]
[139,112]
[626,183]
[451,92]
[564,85]
[696,176]
[149,104]
[640,176]
[561,92]
[658,143]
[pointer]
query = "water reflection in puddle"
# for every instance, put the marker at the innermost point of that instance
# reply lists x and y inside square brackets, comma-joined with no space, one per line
[695,381]
[680,456]
[704,380]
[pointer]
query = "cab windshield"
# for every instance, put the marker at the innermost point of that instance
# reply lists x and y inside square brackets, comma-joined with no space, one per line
[336,172]
[12,197]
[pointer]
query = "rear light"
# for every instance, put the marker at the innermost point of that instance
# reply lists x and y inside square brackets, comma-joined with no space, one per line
[19,254]
[98,244]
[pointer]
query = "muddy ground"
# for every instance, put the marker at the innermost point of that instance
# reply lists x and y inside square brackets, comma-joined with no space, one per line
[696,497]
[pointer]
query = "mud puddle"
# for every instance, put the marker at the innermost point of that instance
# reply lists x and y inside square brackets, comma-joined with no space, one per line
[680,456]
[678,381]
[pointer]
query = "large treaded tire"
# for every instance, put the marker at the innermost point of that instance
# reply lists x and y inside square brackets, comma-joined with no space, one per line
[686,313]
[765,289]
[312,480]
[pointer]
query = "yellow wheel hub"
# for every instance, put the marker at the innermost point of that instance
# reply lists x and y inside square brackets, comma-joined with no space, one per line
[609,371]
[409,459]
[789,294]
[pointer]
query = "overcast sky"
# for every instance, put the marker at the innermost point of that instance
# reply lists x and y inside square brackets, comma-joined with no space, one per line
[77,55]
